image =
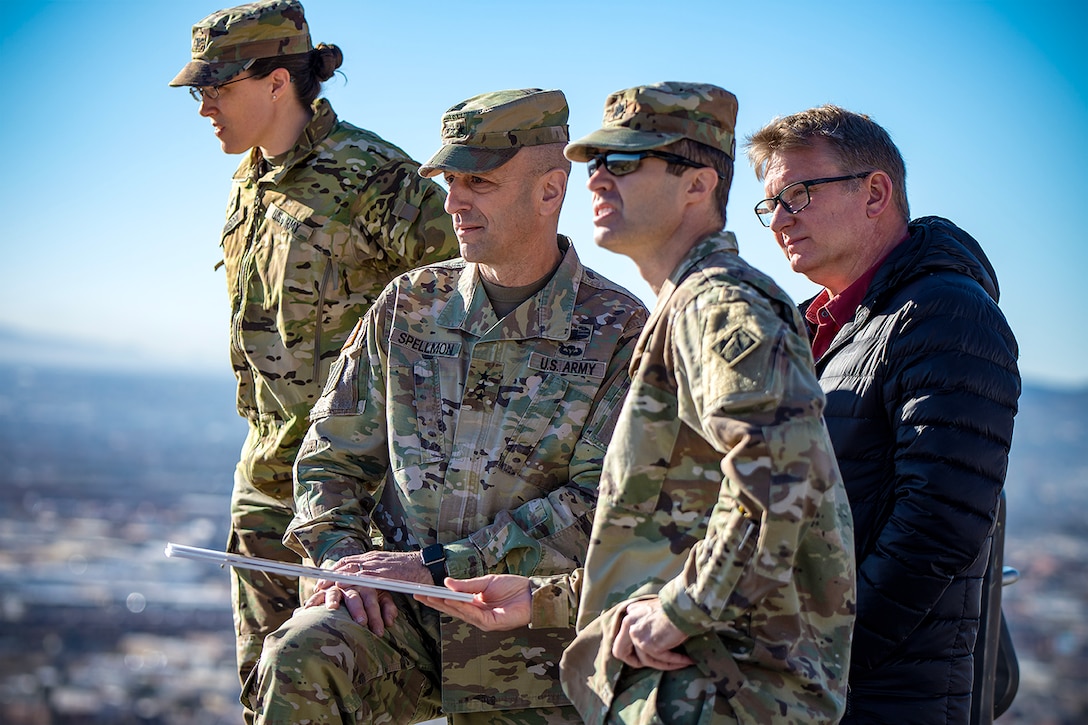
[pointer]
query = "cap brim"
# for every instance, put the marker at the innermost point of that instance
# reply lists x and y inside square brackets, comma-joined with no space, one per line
[618,138]
[205,73]
[465,160]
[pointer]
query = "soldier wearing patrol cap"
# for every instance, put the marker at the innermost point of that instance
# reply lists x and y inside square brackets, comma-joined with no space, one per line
[321,215]
[719,583]
[467,420]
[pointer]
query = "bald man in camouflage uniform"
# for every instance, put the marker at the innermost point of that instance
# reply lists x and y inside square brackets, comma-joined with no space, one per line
[311,237]
[719,584]
[467,419]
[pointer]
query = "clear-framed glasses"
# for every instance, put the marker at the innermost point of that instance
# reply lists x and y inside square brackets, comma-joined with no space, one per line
[795,197]
[199,93]
[620,164]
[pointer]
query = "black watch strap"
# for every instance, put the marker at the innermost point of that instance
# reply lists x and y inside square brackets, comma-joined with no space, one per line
[434,558]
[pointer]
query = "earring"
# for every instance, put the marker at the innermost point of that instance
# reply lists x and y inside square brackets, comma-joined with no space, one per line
[273,96]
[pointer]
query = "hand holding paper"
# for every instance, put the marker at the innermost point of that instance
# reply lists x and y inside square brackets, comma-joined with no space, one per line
[299,570]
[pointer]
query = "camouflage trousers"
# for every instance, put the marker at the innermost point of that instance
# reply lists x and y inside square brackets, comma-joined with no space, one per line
[681,697]
[261,602]
[322,667]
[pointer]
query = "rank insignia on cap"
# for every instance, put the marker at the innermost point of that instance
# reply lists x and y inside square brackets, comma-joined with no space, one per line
[737,345]
[200,40]
[453,128]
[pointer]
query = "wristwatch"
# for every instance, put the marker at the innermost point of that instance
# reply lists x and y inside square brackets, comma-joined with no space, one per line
[434,558]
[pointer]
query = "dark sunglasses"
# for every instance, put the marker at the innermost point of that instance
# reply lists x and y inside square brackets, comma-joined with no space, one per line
[620,164]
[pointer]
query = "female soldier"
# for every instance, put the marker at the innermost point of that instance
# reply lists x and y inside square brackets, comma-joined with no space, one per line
[321,216]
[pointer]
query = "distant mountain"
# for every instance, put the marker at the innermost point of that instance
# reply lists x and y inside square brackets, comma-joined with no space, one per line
[114,417]
[82,427]
[1047,483]
[19,347]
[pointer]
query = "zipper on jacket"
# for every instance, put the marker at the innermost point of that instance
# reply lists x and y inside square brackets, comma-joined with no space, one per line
[243,267]
[329,265]
[749,526]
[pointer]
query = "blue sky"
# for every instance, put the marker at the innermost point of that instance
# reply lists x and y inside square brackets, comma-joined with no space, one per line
[115,189]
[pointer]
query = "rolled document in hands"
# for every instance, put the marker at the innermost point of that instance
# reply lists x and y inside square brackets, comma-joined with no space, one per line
[298,570]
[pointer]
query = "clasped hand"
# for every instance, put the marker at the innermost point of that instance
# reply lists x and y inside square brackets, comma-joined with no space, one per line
[647,638]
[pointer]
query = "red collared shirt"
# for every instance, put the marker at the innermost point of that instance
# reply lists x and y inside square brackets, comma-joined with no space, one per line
[828,314]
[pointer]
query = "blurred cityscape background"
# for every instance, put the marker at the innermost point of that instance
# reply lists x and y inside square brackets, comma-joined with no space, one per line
[100,468]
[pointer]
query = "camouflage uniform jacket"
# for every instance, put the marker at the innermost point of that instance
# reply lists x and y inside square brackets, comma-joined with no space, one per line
[307,247]
[721,494]
[486,436]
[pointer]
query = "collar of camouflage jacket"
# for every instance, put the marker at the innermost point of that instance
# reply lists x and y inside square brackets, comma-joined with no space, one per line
[316,131]
[547,314]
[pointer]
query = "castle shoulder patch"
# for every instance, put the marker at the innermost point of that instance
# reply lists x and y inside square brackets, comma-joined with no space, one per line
[737,344]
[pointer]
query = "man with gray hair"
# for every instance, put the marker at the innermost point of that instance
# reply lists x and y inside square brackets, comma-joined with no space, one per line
[919,368]
[466,420]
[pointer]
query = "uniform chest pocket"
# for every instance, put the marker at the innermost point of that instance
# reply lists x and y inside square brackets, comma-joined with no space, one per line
[417,395]
[534,425]
[285,253]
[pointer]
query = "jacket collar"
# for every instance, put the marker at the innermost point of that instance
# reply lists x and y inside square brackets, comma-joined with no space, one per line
[548,314]
[933,244]
[716,242]
[316,131]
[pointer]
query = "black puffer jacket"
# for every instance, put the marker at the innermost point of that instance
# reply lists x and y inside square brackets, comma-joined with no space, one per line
[922,387]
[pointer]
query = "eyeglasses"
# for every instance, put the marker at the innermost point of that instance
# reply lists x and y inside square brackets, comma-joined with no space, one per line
[199,93]
[796,197]
[621,164]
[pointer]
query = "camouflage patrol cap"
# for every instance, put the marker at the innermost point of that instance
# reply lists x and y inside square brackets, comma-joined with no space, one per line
[485,132]
[226,42]
[649,117]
